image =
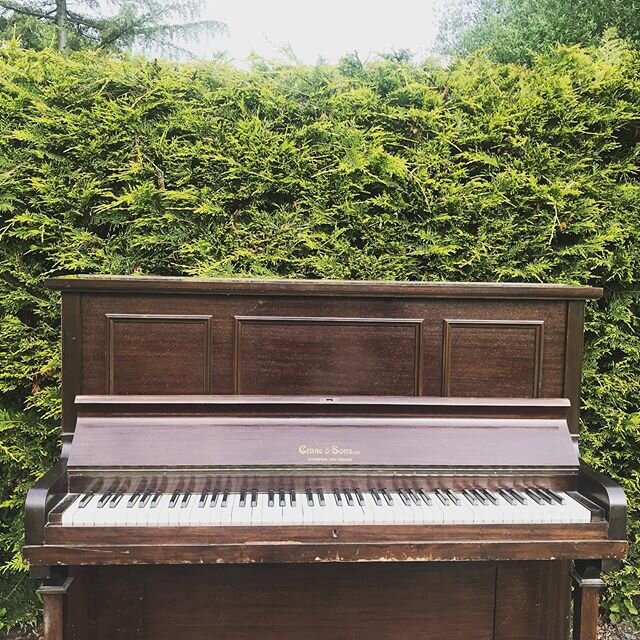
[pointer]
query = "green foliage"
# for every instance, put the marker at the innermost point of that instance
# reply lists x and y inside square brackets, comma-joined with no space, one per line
[514,30]
[483,171]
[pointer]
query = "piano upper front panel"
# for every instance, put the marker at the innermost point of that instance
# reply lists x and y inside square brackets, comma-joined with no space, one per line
[320,355]
[319,345]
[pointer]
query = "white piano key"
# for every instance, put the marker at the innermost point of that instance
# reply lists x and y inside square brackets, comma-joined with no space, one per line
[293,514]
[118,515]
[271,510]
[578,512]
[241,515]
[200,513]
[368,509]
[508,510]
[69,513]
[86,517]
[226,503]
[432,513]
[158,509]
[173,508]
[186,517]
[257,512]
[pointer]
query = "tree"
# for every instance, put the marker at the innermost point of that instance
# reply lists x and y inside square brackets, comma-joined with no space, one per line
[513,30]
[80,25]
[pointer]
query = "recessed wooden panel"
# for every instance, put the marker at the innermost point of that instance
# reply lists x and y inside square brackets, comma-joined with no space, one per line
[155,354]
[406,601]
[532,601]
[492,358]
[316,355]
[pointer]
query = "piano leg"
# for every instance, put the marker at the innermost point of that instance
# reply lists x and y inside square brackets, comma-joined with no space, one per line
[53,592]
[586,599]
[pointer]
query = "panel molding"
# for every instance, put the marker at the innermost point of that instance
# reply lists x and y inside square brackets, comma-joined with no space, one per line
[451,324]
[112,319]
[240,321]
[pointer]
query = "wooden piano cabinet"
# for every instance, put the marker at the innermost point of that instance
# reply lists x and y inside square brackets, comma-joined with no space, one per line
[373,601]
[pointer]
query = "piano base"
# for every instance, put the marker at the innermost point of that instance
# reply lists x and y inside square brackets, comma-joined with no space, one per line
[440,601]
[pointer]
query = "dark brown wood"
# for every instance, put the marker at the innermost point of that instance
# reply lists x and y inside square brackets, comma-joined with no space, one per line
[153,335]
[296,369]
[248,286]
[289,602]
[282,438]
[532,600]
[140,343]
[53,597]
[472,366]
[336,552]
[72,359]
[573,360]
[92,536]
[586,599]
[328,355]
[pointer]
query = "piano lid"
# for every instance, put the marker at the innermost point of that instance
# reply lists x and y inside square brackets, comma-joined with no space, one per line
[294,432]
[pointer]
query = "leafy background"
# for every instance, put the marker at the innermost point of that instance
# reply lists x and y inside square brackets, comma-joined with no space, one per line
[480,171]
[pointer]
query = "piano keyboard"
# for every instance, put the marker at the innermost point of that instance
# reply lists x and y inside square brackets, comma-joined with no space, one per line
[344,506]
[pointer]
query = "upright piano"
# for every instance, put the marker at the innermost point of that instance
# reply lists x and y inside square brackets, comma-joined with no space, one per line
[282,459]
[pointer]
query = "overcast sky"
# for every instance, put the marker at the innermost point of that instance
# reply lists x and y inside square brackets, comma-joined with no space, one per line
[316,29]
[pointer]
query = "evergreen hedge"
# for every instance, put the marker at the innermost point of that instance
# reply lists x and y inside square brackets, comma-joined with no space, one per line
[385,170]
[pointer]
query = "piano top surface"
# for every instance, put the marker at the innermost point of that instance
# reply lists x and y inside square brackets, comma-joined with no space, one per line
[300,287]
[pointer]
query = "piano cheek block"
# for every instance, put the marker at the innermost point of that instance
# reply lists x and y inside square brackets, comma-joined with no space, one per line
[299,429]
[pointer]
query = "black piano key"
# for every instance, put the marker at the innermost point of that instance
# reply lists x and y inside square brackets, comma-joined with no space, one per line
[404,497]
[507,496]
[484,501]
[338,497]
[320,495]
[547,498]
[490,496]
[155,500]
[426,498]
[144,498]
[412,494]
[292,497]
[85,500]
[225,498]
[359,497]
[348,497]
[387,496]
[282,499]
[310,497]
[443,497]
[376,497]
[174,499]
[104,499]
[518,496]
[185,500]
[214,499]
[203,499]
[271,498]
[115,500]
[554,496]
[454,497]
[470,497]
[132,500]
[254,498]
[243,499]
[534,496]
